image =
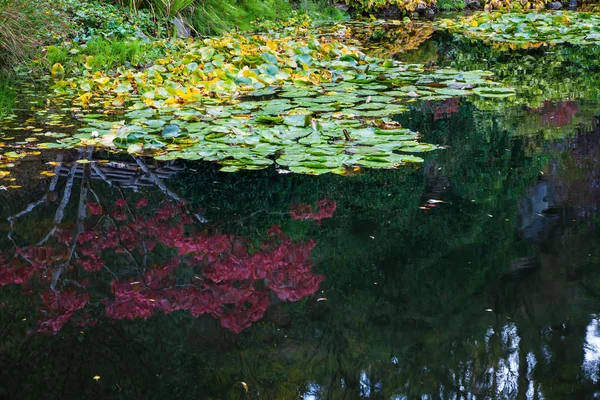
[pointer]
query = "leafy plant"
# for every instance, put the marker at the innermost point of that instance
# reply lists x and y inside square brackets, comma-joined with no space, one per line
[91,19]
[590,6]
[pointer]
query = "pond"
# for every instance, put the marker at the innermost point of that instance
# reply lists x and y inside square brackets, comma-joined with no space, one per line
[472,273]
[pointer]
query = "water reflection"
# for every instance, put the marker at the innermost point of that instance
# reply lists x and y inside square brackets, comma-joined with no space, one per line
[473,276]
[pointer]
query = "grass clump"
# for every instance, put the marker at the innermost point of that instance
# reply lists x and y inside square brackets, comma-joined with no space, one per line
[213,17]
[20,30]
[101,54]
[7,95]
[24,27]
[166,8]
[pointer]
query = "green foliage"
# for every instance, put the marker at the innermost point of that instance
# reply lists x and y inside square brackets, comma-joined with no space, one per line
[318,10]
[93,18]
[451,5]
[25,26]
[7,95]
[213,17]
[515,5]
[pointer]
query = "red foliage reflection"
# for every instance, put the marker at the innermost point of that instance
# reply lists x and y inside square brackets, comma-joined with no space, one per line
[60,307]
[141,265]
[558,113]
[444,109]
[324,209]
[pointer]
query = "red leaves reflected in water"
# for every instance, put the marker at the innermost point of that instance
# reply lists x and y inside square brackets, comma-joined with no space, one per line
[95,209]
[445,109]
[223,275]
[246,310]
[557,114]
[226,285]
[59,307]
[141,203]
[29,262]
[15,273]
[129,303]
[323,209]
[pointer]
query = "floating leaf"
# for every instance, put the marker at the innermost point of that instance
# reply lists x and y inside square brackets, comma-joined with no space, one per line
[171,131]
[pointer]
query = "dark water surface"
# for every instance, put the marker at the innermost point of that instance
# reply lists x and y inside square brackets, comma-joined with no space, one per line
[475,275]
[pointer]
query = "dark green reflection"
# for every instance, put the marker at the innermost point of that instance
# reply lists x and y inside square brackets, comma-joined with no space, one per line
[475,274]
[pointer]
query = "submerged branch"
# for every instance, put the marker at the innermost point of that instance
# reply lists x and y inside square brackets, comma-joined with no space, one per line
[158,182]
[81,214]
[60,211]
[31,206]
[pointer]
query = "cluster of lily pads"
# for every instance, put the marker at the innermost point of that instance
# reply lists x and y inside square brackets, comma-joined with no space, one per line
[308,104]
[526,30]
[299,99]
[9,159]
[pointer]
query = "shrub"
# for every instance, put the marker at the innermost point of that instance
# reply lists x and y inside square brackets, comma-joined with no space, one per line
[91,19]
[451,5]
[406,6]
[516,5]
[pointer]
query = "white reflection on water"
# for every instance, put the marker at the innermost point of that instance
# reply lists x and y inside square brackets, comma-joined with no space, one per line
[312,392]
[365,384]
[591,358]
[531,361]
[507,374]
[501,378]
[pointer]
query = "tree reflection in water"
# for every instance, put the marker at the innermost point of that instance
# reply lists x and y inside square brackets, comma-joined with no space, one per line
[127,260]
